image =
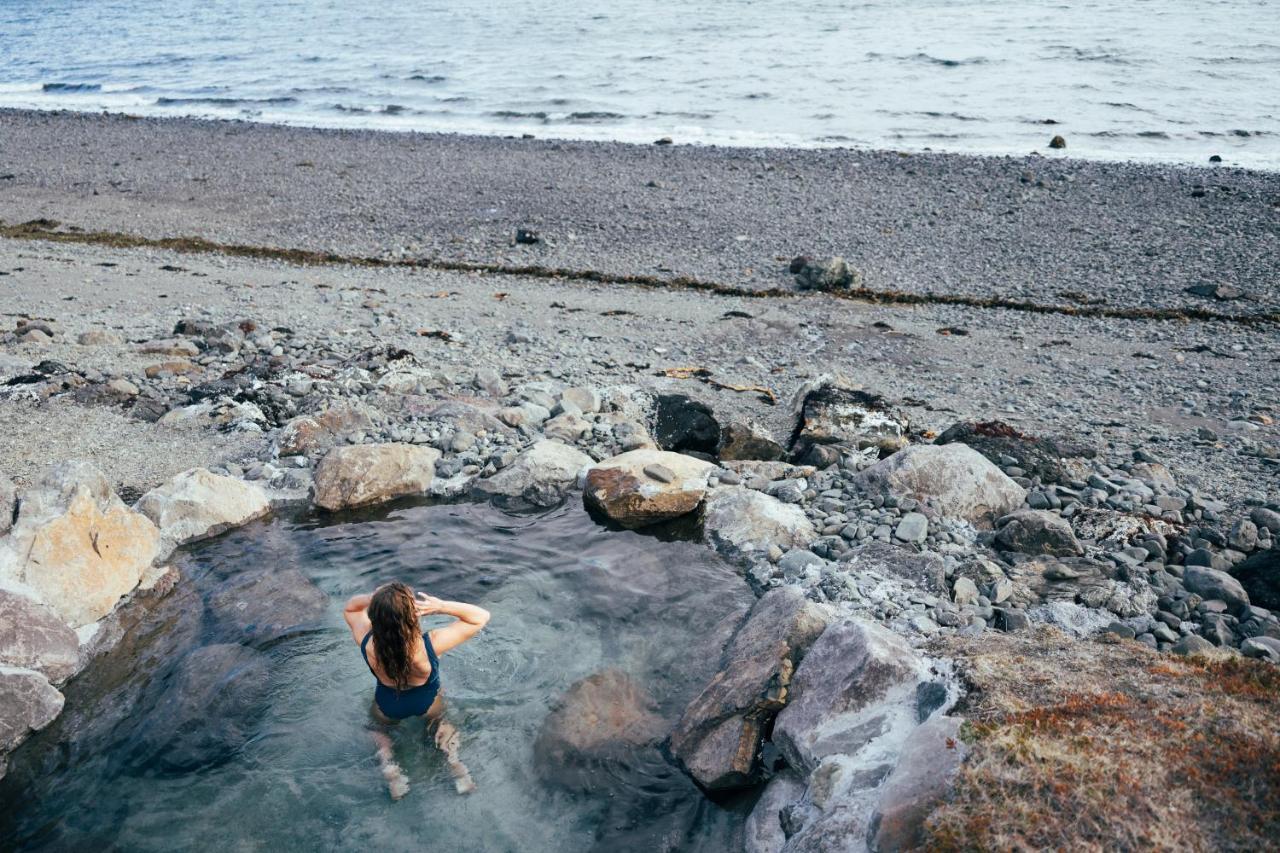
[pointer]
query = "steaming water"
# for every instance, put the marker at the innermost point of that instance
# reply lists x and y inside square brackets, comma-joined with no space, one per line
[568,599]
[1149,79]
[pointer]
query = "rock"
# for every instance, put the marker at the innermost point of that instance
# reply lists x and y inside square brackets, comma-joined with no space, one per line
[8,503]
[586,399]
[830,412]
[361,475]
[197,504]
[1031,531]
[856,689]
[925,569]
[763,832]
[643,487]
[1211,583]
[1038,457]
[1243,535]
[598,723]
[930,759]
[208,708]
[748,440]
[957,481]
[315,434]
[99,338]
[1268,518]
[539,476]
[830,274]
[174,367]
[1192,645]
[567,428]
[1259,576]
[171,346]
[964,592]
[717,739]
[681,423]
[28,703]
[76,545]
[1058,142]
[1221,292]
[266,606]
[740,523]
[1264,648]
[913,527]
[33,637]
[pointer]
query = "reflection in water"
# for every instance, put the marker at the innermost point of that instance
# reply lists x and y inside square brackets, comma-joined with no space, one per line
[235,715]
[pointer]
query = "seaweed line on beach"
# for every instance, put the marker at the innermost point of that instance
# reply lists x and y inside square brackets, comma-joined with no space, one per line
[54,231]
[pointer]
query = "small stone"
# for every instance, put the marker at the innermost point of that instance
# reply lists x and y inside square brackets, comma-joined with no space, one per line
[914,527]
[964,593]
[661,473]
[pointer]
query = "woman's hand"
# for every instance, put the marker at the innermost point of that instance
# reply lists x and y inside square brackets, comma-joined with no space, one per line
[425,605]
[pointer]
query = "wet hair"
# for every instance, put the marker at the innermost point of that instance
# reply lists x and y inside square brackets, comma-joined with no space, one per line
[394,615]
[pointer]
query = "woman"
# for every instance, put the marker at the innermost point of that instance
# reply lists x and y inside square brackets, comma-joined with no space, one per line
[406,665]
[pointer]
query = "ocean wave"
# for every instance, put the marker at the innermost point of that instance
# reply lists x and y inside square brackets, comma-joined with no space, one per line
[427,78]
[516,114]
[595,115]
[930,59]
[71,87]
[225,102]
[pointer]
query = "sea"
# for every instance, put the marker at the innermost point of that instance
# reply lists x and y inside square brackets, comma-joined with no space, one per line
[1162,80]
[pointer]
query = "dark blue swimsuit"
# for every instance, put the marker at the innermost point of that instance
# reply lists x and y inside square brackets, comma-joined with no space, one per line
[414,702]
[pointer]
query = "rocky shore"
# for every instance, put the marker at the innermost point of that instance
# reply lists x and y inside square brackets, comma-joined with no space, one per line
[895,483]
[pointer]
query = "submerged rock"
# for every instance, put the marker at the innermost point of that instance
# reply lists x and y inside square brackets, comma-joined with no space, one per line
[742,523]
[263,607]
[597,725]
[955,480]
[643,487]
[33,637]
[539,476]
[197,504]
[76,544]
[368,474]
[208,708]
[717,739]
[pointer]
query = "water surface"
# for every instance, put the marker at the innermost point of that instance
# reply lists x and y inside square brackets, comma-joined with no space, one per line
[568,599]
[1151,79]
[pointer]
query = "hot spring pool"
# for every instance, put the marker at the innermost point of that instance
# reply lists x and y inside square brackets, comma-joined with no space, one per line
[153,753]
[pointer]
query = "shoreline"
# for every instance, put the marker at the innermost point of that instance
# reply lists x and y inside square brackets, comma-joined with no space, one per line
[1032,229]
[644,137]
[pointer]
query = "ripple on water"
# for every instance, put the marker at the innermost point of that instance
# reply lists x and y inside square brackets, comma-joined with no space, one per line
[568,599]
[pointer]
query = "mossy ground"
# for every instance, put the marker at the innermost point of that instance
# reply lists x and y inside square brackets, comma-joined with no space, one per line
[1108,745]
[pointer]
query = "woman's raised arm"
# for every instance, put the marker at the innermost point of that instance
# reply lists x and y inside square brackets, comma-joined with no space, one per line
[470,620]
[356,614]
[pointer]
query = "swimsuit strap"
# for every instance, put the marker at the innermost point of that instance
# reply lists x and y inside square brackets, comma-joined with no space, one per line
[431,652]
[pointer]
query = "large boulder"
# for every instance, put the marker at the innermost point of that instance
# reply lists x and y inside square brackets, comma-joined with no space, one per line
[717,739]
[857,691]
[930,759]
[539,476]
[33,637]
[208,708]
[681,423]
[1033,531]
[643,487]
[315,434]
[1211,583]
[1078,580]
[953,479]
[266,606]
[1039,457]
[197,504]
[76,545]
[369,474]
[8,503]
[1259,577]
[925,569]
[596,726]
[741,523]
[28,703]
[830,412]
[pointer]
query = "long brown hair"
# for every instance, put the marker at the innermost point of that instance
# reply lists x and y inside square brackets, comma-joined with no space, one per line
[395,629]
